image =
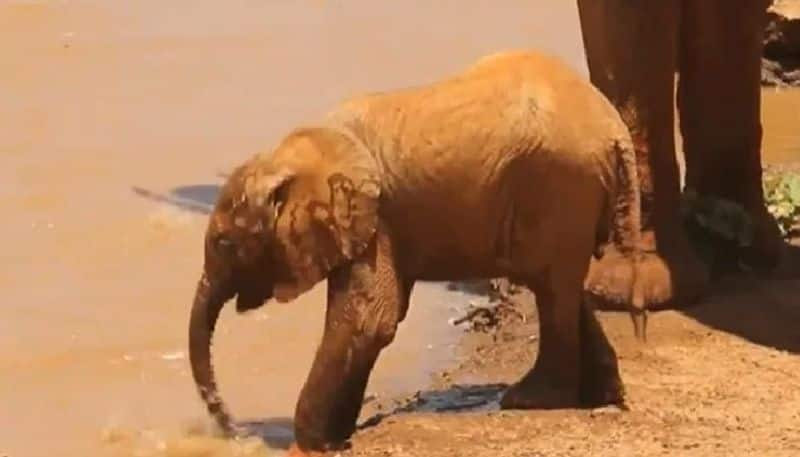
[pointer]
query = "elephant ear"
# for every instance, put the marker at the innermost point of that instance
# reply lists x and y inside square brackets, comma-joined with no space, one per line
[330,211]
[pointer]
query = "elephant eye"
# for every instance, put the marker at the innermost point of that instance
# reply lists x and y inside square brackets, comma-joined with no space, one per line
[223,244]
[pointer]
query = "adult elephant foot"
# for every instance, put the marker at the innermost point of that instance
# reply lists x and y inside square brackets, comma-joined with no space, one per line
[668,275]
[765,251]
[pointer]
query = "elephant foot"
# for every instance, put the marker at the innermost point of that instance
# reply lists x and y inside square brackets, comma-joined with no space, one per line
[765,251]
[536,391]
[295,451]
[601,384]
[667,278]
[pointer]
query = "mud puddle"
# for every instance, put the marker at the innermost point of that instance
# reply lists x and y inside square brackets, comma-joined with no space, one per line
[262,360]
[139,400]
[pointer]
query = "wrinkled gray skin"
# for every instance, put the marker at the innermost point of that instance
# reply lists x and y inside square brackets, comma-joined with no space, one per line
[516,167]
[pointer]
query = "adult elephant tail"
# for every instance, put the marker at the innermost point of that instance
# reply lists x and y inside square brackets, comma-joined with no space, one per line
[208,302]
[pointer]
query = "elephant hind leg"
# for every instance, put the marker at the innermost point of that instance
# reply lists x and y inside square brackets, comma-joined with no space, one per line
[576,365]
[554,380]
[585,376]
[600,381]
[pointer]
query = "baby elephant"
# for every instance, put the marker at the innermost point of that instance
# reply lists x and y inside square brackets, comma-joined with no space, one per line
[516,167]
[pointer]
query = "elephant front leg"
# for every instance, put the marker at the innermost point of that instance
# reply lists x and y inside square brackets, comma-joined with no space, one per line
[330,401]
[365,305]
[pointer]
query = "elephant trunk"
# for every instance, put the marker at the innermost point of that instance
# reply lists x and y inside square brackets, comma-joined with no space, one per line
[208,303]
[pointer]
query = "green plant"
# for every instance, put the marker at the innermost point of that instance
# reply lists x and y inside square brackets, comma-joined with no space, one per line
[721,217]
[782,195]
[716,227]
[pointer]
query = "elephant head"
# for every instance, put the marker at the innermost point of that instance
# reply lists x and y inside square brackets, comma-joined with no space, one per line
[282,222]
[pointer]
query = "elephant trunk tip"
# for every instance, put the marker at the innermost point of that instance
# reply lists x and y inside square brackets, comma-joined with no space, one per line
[215,405]
[219,412]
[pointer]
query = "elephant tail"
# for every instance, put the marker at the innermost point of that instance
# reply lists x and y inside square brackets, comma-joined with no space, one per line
[626,229]
[626,206]
[620,279]
[616,279]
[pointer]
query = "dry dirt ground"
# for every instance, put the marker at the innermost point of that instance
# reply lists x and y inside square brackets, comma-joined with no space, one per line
[719,379]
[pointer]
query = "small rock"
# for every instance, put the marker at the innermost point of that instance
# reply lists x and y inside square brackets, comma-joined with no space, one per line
[610,410]
[781,63]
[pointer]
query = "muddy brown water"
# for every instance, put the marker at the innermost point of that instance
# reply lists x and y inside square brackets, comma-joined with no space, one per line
[780,115]
[118,121]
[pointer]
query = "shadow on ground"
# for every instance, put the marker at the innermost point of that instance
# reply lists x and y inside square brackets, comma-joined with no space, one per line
[479,287]
[765,311]
[276,432]
[456,398]
[198,198]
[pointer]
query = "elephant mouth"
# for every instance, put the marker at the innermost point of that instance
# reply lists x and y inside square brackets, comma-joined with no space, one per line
[250,299]
[247,300]
[286,292]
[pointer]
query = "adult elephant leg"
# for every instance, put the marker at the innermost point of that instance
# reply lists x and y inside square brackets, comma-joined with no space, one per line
[365,303]
[719,103]
[631,50]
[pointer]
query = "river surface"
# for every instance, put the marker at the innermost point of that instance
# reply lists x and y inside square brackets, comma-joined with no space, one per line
[118,120]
